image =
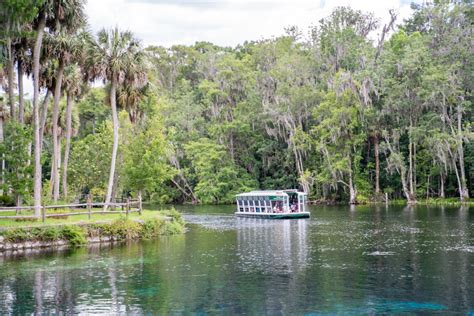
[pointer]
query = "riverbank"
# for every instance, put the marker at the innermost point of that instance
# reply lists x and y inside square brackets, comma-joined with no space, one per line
[65,232]
[6,223]
[435,202]
[426,202]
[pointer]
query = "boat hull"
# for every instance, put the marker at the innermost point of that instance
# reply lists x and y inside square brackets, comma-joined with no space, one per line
[273,215]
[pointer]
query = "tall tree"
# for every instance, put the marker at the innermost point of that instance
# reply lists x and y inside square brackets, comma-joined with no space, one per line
[14,15]
[21,54]
[339,134]
[63,46]
[72,86]
[114,57]
[51,13]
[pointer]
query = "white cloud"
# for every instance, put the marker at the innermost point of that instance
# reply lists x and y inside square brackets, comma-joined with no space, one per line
[223,22]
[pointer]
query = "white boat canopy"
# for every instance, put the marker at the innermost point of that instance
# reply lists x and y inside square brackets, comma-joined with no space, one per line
[271,201]
[264,193]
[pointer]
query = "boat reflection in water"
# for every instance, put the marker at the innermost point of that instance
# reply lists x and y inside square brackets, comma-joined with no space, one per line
[272,246]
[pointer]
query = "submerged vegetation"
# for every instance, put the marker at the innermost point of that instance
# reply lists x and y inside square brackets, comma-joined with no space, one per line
[344,114]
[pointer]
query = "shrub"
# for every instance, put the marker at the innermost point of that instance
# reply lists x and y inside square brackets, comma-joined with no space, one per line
[125,229]
[152,228]
[16,235]
[172,227]
[6,200]
[74,234]
[97,230]
[50,234]
[175,216]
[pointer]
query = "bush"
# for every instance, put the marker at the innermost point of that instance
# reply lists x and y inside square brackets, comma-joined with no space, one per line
[172,228]
[152,228]
[16,235]
[6,201]
[97,230]
[125,229]
[50,234]
[74,234]
[175,216]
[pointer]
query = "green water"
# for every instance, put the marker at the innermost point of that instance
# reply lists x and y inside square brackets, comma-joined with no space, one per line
[341,260]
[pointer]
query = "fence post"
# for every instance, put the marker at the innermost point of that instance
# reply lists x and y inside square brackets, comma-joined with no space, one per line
[128,206]
[43,213]
[139,202]
[89,206]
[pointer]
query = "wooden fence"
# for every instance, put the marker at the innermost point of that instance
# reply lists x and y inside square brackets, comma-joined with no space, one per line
[127,207]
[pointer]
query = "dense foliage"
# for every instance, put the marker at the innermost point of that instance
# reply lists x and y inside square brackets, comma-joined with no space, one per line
[344,114]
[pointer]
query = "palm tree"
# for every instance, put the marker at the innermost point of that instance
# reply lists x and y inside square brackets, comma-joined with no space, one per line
[129,99]
[14,17]
[52,13]
[21,55]
[63,46]
[72,85]
[116,57]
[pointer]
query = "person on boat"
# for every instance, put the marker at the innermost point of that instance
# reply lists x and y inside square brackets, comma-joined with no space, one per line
[293,208]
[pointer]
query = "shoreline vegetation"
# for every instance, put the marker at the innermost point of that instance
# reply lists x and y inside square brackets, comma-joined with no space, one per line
[350,110]
[81,231]
[428,201]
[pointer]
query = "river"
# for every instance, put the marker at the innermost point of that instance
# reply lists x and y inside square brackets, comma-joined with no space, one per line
[359,260]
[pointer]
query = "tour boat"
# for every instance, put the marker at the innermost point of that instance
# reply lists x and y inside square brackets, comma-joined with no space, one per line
[277,204]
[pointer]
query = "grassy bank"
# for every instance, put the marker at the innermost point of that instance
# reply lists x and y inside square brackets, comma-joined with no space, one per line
[78,219]
[80,231]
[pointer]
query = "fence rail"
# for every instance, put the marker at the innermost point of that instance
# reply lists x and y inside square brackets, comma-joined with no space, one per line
[130,206]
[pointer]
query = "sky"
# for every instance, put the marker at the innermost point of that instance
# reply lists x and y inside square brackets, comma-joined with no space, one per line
[222,22]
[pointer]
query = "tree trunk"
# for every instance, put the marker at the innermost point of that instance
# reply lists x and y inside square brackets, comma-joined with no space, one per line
[352,187]
[410,197]
[21,102]
[51,177]
[377,165]
[56,147]
[428,187]
[36,68]
[44,114]
[113,197]
[414,169]
[463,191]
[410,160]
[352,191]
[115,121]
[441,186]
[11,74]
[2,180]
[19,200]
[300,168]
[68,142]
